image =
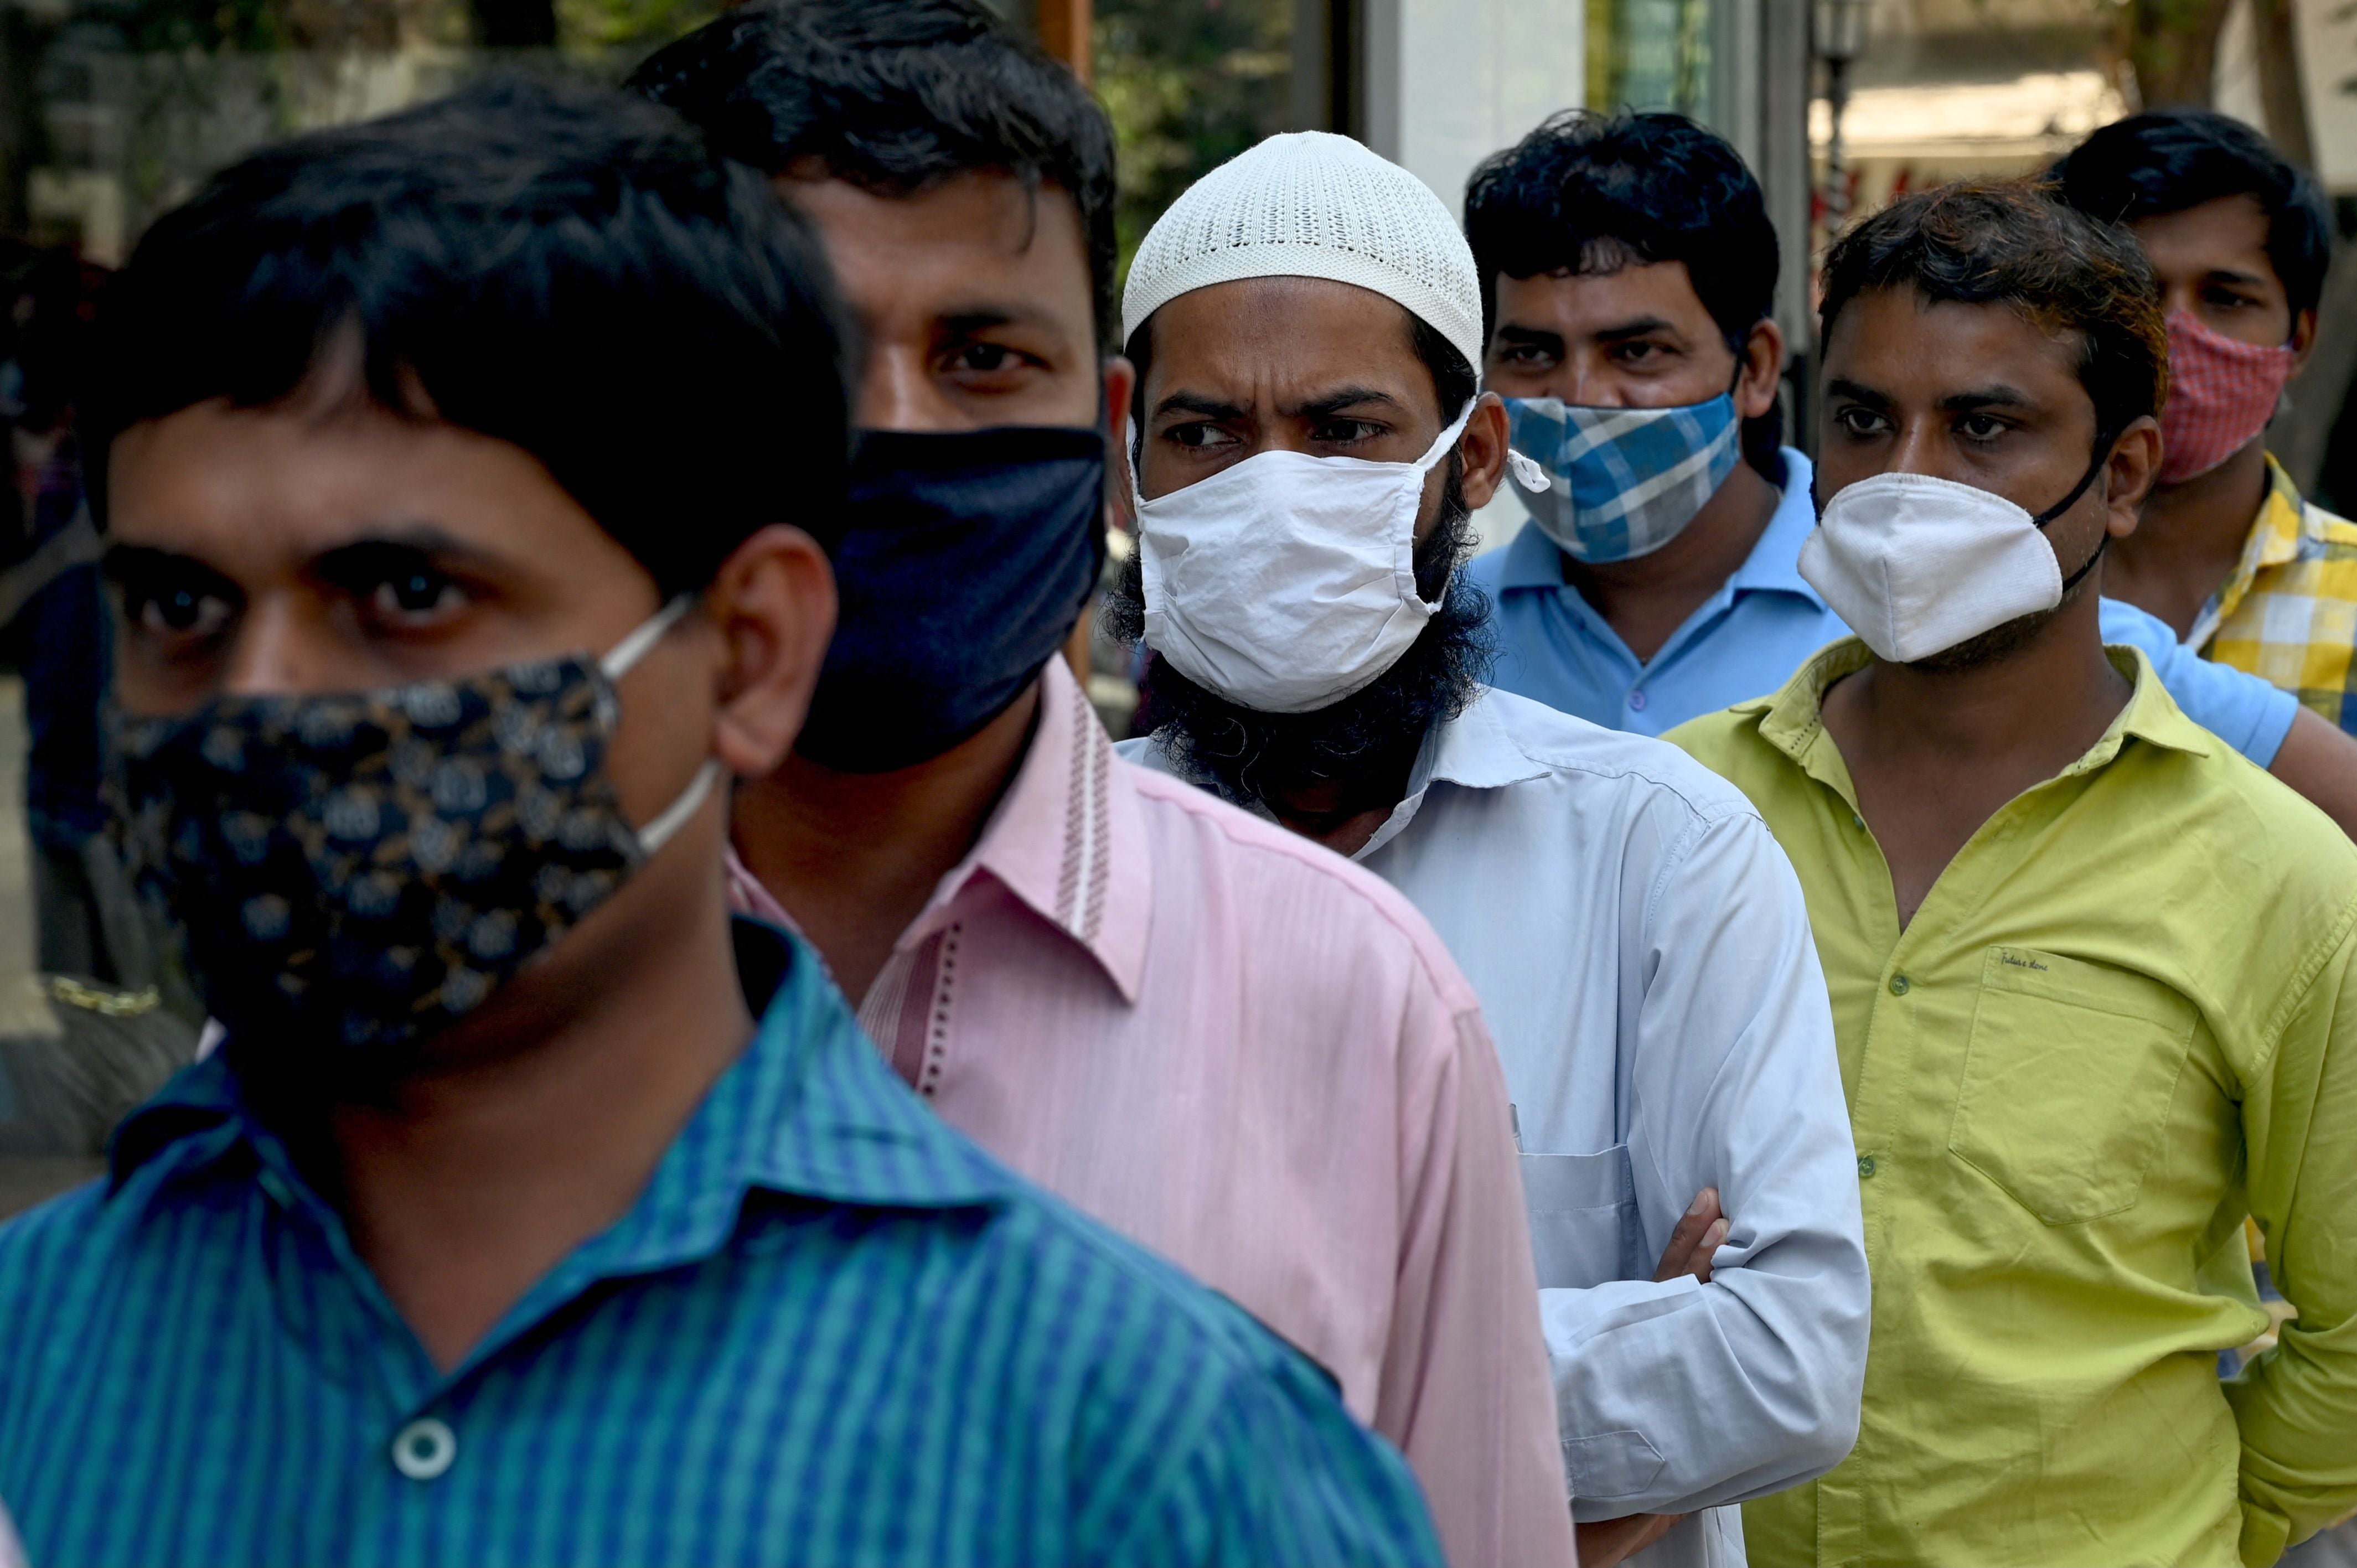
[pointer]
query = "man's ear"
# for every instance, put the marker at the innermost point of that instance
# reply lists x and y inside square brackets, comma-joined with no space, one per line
[2303,339]
[2128,475]
[1482,449]
[1120,384]
[1763,367]
[773,601]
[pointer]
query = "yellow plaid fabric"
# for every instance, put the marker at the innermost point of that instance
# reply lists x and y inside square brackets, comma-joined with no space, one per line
[2288,613]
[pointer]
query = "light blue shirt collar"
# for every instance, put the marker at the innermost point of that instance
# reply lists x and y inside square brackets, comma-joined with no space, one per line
[1474,750]
[1533,560]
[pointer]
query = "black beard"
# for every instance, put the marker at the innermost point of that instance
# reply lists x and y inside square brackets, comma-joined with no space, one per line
[1364,743]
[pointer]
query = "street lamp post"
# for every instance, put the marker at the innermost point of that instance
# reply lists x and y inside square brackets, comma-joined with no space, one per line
[1840,29]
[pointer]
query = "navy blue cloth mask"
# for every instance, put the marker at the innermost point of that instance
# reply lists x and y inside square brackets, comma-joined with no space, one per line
[966,558]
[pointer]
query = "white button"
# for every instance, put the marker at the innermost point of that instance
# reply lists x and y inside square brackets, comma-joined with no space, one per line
[424,1449]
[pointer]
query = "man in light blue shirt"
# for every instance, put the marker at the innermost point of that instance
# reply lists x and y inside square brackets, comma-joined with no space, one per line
[1628,278]
[1304,322]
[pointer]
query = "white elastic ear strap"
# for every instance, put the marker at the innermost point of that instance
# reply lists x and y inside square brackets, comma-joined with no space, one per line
[616,664]
[633,648]
[1535,478]
[673,817]
[1448,438]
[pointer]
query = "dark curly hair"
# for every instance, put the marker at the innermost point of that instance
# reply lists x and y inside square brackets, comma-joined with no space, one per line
[2011,242]
[895,96]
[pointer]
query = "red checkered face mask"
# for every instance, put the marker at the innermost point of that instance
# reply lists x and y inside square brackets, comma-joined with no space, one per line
[2222,392]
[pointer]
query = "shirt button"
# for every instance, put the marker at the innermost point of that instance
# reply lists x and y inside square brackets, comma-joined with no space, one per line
[1866,1164]
[424,1449]
[1898,985]
[1637,701]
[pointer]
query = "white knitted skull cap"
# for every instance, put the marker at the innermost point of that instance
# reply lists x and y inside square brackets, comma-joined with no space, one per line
[1314,205]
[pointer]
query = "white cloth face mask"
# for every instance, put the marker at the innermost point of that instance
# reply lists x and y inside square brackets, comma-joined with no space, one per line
[1287,583]
[1917,564]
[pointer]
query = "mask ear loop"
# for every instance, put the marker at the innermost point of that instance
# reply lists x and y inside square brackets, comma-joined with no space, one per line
[673,817]
[1533,478]
[1446,442]
[2103,440]
[619,662]
[625,654]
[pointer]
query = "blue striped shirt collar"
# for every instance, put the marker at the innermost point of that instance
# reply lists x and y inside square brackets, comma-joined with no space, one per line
[804,1113]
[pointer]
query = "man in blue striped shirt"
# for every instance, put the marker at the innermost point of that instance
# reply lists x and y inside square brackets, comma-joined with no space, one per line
[499,1231]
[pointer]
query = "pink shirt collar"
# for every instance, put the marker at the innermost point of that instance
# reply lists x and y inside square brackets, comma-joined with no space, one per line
[1066,839]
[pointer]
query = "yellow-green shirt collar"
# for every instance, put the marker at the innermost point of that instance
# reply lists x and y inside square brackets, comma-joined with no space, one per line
[1794,718]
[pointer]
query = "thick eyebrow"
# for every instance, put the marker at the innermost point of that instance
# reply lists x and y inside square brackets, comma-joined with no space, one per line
[1335,401]
[1194,403]
[1320,407]
[974,320]
[1637,327]
[1857,391]
[1998,396]
[403,545]
[128,566]
[2235,276]
[1529,337]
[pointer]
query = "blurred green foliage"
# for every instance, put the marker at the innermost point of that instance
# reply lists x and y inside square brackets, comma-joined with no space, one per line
[640,24]
[1190,84]
[1650,54]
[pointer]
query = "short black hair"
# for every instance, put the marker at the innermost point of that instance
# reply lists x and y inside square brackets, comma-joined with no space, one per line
[1588,192]
[564,269]
[2151,165]
[895,96]
[2010,242]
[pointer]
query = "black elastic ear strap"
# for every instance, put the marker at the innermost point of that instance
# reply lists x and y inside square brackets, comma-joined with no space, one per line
[2103,440]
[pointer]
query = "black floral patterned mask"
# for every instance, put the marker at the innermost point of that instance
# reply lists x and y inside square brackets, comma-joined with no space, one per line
[362,870]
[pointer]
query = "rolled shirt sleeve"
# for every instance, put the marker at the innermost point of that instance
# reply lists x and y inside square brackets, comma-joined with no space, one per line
[2296,1405]
[1682,1395]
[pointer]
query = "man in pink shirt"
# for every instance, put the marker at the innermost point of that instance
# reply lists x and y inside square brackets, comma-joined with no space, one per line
[1202,1029]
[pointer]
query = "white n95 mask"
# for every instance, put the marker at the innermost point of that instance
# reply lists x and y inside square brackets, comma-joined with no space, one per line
[1917,564]
[1287,583]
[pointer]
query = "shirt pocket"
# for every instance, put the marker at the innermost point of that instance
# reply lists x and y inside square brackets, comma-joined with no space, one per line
[2068,1078]
[1582,1214]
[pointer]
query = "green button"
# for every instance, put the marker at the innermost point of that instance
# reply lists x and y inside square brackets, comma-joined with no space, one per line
[1866,1164]
[1898,985]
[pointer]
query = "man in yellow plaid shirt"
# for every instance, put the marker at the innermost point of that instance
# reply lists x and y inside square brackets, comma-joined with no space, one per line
[2229,553]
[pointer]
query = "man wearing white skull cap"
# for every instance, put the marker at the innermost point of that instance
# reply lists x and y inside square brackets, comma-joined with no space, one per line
[1307,442]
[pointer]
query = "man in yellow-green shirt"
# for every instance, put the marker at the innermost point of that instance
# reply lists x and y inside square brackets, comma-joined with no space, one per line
[2094,976]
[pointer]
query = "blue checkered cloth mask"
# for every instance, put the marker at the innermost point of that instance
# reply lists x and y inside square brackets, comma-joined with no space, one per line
[1611,484]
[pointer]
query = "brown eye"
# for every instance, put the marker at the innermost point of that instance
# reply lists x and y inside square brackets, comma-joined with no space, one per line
[415,594]
[181,613]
